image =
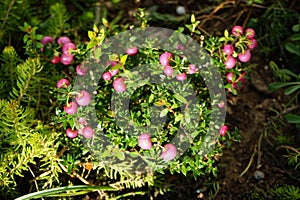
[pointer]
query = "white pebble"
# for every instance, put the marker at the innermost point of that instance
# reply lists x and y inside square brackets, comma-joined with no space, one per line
[180,10]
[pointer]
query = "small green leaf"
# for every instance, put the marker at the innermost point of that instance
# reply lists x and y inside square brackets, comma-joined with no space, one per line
[91,35]
[291,118]
[120,155]
[124,58]
[104,22]
[292,48]
[193,19]
[151,98]
[295,37]
[180,98]
[288,72]
[226,34]
[25,38]
[291,89]
[187,117]
[276,86]
[164,112]
[296,28]
[183,170]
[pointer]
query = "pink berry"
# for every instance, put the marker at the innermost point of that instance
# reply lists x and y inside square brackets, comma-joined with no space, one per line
[229,77]
[132,51]
[221,104]
[181,77]
[180,47]
[83,98]
[63,40]
[119,85]
[145,141]
[165,58]
[67,46]
[47,39]
[71,108]
[66,59]
[82,121]
[107,76]
[223,130]
[81,70]
[237,31]
[228,49]
[169,152]
[111,63]
[168,71]
[252,44]
[245,57]
[192,69]
[55,60]
[87,132]
[71,133]
[113,72]
[230,62]
[250,33]
[62,83]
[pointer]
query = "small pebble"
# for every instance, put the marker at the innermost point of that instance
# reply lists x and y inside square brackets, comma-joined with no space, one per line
[259,175]
[180,10]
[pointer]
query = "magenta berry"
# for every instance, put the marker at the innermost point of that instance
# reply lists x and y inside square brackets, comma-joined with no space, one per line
[250,33]
[83,98]
[67,47]
[47,39]
[119,85]
[223,130]
[71,108]
[62,83]
[192,69]
[82,121]
[107,76]
[230,62]
[245,57]
[71,133]
[87,132]
[66,59]
[63,40]
[81,70]
[169,152]
[229,77]
[180,47]
[145,141]
[165,58]
[181,77]
[228,49]
[237,31]
[168,71]
[113,72]
[55,60]
[252,44]
[221,104]
[132,51]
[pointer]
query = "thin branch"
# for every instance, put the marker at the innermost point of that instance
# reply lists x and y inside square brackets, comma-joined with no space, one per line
[7,13]
[288,147]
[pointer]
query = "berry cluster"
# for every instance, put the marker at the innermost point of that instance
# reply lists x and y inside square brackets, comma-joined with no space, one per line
[82,98]
[165,59]
[169,150]
[236,53]
[64,43]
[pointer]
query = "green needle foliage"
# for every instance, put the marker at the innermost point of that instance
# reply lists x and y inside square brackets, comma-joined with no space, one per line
[24,140]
